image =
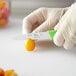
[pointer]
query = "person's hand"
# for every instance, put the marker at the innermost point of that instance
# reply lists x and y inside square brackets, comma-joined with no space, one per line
[42,19]
[66,29]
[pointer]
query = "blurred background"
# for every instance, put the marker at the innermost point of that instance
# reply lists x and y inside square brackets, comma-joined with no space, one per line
[21,8]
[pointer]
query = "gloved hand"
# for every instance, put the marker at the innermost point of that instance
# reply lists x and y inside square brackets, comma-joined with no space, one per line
[66,29]
[42,19]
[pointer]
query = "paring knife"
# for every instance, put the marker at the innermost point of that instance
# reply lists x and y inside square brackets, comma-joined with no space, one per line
[38,36]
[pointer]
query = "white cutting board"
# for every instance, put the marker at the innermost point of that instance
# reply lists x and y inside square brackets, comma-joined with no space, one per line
[46,60]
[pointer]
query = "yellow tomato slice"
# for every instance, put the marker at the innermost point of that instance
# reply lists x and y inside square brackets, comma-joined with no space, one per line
[29,44]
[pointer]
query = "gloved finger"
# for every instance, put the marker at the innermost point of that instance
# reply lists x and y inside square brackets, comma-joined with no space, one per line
[68,44]
[57,27]
[58,38]
[62,19]
[60,24]
[27,27]
[30,22]
[43,27]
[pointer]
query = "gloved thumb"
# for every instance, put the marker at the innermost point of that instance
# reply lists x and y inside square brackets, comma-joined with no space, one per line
[58,38]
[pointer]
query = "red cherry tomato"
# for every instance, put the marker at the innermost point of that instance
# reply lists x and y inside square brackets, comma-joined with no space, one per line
[6,12]
[2,73]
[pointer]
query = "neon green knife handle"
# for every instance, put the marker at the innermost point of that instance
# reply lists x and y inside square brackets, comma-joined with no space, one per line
[51,34]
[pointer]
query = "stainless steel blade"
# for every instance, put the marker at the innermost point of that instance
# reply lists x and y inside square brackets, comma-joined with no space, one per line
[35,36]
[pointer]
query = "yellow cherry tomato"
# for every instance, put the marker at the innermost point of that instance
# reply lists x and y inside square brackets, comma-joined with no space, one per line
[2,4]
[3,22]
[10,73]
[29,44]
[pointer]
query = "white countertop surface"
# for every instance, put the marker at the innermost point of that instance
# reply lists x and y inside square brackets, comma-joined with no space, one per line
[46,60]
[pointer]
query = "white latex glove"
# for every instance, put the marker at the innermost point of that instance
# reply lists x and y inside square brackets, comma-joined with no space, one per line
[42,19]
[66,29]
